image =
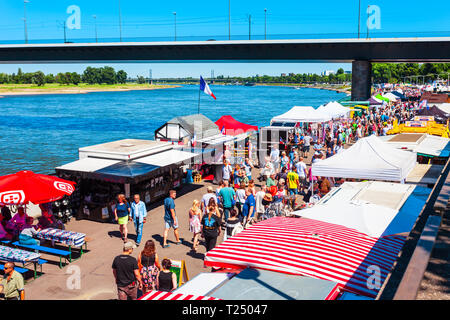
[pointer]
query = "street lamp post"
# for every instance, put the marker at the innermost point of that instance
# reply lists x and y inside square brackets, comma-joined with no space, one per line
[265,23]
[367,22]
[359,17]
[229,19]
[95,24]
[120,23]
[249,26]
[175,24]
[25,19]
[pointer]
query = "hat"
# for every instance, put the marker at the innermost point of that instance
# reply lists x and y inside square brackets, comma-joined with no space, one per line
[129,245]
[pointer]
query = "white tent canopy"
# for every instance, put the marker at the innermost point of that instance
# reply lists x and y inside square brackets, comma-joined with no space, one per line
[391,96]
[358,206]
[368,158]
[368,218]
[302,114]
[335,110]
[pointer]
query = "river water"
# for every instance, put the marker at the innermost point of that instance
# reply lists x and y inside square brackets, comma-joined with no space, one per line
[42,132]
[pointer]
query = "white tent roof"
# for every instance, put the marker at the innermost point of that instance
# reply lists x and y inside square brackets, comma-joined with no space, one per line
[443,106]
[166,158]
[88,164]
[369,158]
[335,110]
[302,114]
[391,96]
[366,212]
[370,219]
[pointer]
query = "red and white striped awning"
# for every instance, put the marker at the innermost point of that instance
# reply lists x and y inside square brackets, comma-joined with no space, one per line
[312,248]
[161,295]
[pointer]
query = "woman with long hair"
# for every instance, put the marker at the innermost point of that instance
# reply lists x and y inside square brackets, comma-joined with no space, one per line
[149,266]
[213,207]
[122,213]
[195,215]
[211,225]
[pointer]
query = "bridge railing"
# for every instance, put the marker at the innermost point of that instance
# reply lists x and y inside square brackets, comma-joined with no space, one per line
[403,283]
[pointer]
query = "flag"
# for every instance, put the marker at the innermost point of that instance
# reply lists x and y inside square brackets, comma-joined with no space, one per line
[205,88]
[297,124]
[281,141]
[222,131]
[194,140]
[422,104]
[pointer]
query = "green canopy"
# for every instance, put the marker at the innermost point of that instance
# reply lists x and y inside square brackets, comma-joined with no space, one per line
[380,97]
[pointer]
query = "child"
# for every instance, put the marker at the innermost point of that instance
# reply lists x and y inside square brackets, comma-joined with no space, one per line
[27,235]
[166,279]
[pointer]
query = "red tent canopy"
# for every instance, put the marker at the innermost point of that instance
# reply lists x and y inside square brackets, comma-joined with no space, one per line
[233,127]
[311,248]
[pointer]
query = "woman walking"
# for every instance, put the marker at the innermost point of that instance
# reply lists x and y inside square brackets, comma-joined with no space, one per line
[166,279]
[122,213]
[149,266]
[195,215]
[211,225]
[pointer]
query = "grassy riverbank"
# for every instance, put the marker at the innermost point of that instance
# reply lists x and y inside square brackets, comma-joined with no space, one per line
[332,87]
[54,88]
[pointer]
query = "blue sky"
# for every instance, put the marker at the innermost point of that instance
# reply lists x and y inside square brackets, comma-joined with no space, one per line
[151,20]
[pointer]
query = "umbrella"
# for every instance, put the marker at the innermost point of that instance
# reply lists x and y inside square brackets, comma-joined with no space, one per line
[27,186]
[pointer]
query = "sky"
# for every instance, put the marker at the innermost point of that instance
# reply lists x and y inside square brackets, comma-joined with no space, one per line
[200,20]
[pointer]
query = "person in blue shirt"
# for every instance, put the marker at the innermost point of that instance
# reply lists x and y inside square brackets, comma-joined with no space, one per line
[248,211]
[211,226]
[228,199]
[139,216]
[170,218]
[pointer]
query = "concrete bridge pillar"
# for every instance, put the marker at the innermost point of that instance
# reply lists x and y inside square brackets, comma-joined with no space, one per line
[361,80]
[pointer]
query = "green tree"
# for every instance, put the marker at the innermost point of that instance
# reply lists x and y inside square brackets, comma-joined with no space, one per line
[340,71]
[140,79]
[91,75]
[121,76]
[38,78]
[108,75]
[60,78]
[49,78]
[75,78]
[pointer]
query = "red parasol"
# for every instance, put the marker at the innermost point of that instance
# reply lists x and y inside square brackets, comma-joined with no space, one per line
[27,186]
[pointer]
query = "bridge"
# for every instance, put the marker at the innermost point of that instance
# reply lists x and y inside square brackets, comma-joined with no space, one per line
[360,52]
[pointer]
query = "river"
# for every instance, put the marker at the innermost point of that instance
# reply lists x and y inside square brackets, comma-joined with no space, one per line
[42,132]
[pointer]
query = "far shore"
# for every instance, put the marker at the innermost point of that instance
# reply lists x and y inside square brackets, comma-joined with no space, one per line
[24,90]
[340,88]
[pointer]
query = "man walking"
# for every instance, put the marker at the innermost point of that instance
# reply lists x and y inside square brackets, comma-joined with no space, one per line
[228,197]
[170,218]
[301,171]
[139,216]
[12,285]
[126,273]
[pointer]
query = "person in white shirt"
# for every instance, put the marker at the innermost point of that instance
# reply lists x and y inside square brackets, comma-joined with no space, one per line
[275,157]
[301,171]
[226,170]
[259,207]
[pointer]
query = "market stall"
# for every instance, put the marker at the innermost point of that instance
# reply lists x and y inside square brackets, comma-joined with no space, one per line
[149,168]
[335,110]
[310,248]
[374,208]
[368,158]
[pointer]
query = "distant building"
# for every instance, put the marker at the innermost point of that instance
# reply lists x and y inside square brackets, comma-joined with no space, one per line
[347,72]
[327,72]
[283,74]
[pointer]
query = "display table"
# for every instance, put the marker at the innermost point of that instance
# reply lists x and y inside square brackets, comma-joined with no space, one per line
[69,238]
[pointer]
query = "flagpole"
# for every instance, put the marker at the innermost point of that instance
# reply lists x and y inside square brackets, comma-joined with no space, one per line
[198,109]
